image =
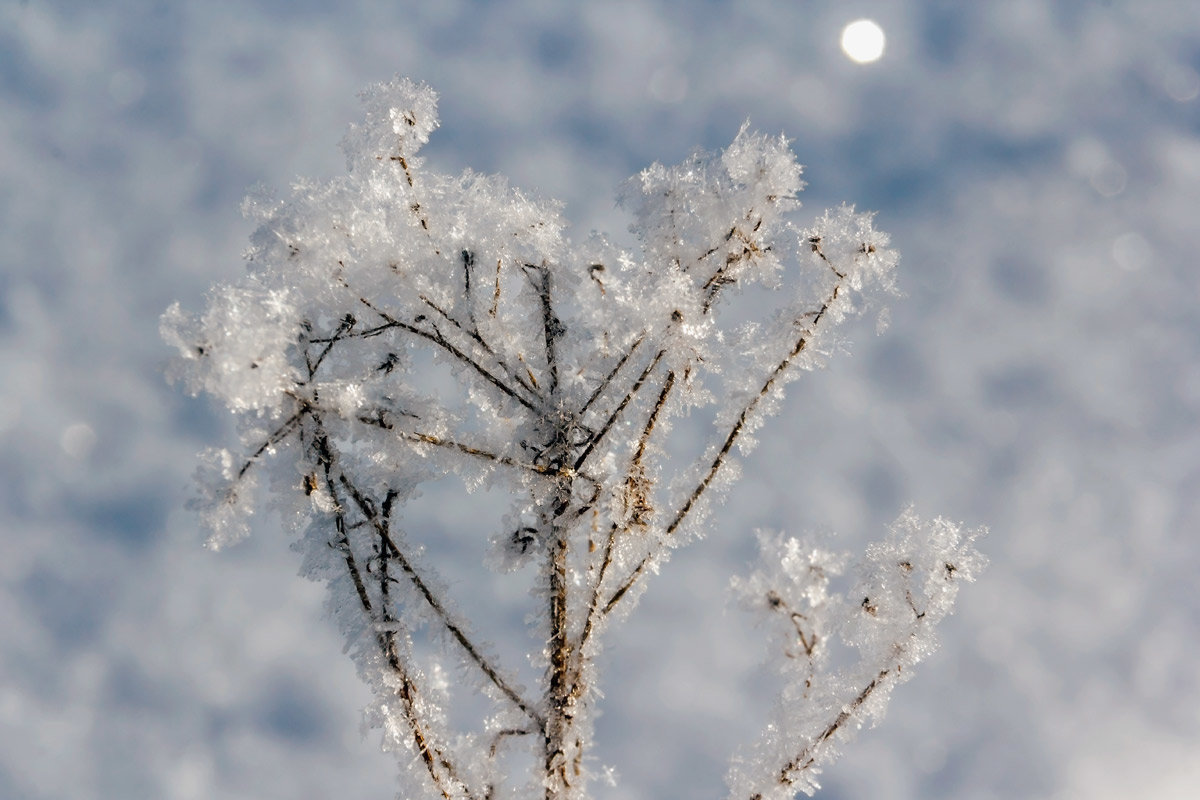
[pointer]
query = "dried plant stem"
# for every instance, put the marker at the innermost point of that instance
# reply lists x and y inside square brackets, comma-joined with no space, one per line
[735,432]
[441,770]
[571,375]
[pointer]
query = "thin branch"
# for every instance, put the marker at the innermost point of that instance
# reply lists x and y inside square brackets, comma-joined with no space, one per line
[552,329]
[346,325]
[627,585]
[385,579]
[807,641]
[612,374]
[727,446]
[612,418]
[437,338]
[367,508]
[636,483]
[276,436]
[475,452]
[605,562]
[380,420]
[496,295]
[634,469]
[807,757]
[384,636]
[475,336]
[739,426]
[629,396]
[719,278]
[503,734]
[468,261]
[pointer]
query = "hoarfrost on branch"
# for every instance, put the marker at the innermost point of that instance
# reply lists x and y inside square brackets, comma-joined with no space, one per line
[572,362]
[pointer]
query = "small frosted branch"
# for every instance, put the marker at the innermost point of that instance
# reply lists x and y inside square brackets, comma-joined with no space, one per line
[615,414]
[437,338]
[456,629]
[477,338]
[438,765]
[905,586]
[608,379]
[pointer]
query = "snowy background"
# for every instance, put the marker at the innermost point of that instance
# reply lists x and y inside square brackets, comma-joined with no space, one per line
[1038,167]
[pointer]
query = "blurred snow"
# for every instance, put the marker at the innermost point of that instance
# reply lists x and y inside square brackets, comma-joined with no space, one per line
[1038,166]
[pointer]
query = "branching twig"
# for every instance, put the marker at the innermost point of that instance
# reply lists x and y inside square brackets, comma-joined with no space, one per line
[719,460]
[581,459]
[633,473]
[276,436]
[807,758]
[441,770]
[571,416]
[602,385]
[347,324]
[740,424]
[437,338]
[367,508]
[478,339]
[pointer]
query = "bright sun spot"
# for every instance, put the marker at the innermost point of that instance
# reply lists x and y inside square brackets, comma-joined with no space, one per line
[862,41]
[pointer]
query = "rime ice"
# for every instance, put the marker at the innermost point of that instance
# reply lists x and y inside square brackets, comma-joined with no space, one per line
[570,361]
[904,586]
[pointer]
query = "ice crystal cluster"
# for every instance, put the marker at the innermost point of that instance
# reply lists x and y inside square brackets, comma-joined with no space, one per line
[570,364]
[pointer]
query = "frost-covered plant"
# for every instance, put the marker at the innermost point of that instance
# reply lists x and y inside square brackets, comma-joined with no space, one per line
[571,362]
